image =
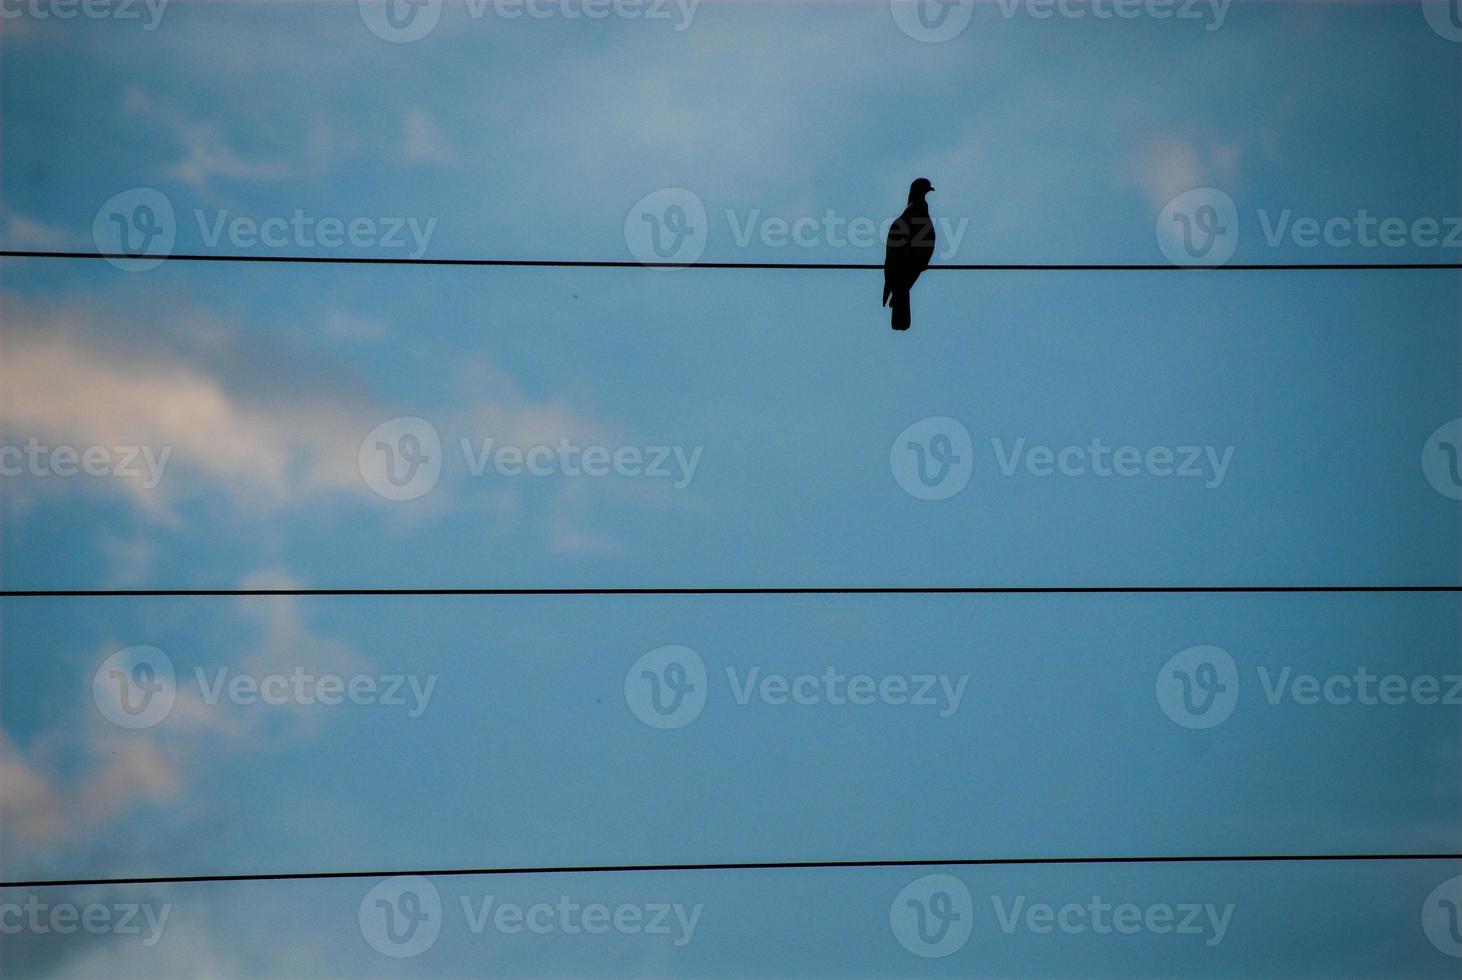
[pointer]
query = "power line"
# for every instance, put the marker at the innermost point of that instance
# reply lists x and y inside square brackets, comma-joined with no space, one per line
[837,266]
[749,590]
[729,866]
[923,590]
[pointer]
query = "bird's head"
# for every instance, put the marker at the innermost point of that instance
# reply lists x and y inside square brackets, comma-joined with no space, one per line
[919,188]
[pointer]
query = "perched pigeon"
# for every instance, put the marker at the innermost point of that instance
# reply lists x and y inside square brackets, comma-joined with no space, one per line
[910,247]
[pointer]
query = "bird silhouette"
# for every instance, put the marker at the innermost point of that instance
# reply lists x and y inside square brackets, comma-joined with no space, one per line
[910,247]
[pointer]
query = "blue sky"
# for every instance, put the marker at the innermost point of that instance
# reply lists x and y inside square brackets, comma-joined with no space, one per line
[1310,406]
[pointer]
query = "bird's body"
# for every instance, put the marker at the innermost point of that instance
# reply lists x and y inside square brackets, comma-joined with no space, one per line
[909,248]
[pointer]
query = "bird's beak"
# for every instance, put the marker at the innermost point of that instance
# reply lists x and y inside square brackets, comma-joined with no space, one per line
[931,187]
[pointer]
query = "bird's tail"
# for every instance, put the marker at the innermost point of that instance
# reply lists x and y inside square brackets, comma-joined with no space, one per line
[901,315]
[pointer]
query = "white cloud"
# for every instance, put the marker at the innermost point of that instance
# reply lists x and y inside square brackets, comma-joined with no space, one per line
[1166,167]
[121,770]
[60,384]
[31,806]
[213,398]
[326,143]
[285,641]
[422,142]
[568,531]
[26,233]
[132,558]
[207,154]
[348,326]
[508,415]
[185,951]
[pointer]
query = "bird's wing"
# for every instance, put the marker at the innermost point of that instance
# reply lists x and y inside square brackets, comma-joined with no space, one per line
[921,247]
[897,245]
[899,257]
[896,257]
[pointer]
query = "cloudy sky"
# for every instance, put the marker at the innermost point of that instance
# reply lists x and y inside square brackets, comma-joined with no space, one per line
[266,426]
